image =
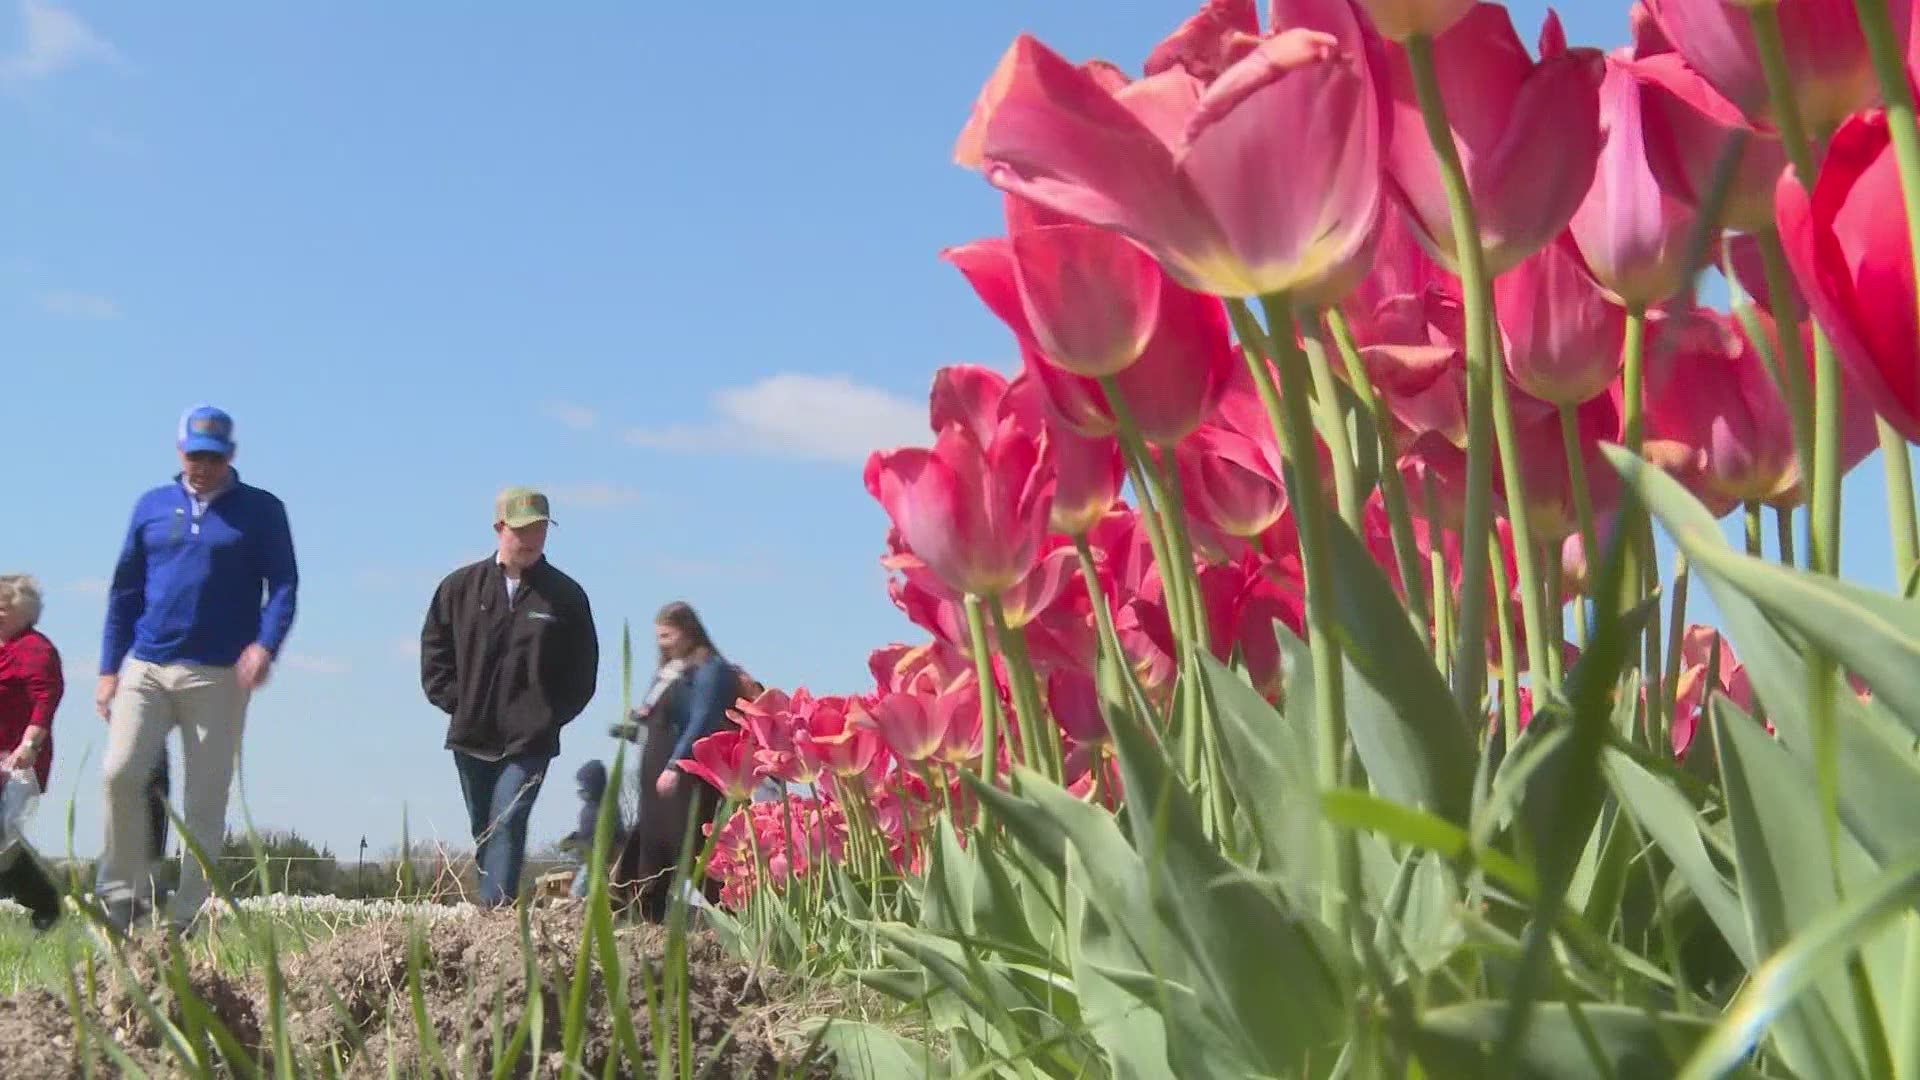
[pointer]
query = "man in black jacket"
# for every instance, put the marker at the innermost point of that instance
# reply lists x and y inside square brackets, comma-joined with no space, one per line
[509,653]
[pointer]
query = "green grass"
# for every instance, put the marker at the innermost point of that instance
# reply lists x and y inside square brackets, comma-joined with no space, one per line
[30,960]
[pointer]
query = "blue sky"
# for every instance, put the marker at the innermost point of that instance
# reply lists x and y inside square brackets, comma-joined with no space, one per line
[676,263]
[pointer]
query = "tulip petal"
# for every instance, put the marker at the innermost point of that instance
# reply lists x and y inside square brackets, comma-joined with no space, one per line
[1209,42]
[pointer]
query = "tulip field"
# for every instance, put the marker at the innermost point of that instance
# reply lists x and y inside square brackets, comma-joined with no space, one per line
[1304,683]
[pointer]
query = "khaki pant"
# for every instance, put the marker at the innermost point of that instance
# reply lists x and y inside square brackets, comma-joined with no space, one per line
[209,708]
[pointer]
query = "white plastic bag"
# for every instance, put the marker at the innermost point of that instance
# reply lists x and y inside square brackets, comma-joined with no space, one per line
[18,798]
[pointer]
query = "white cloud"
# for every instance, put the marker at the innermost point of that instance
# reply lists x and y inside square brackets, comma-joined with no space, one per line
[92,586]
[404,648]
[52,39]
[818,417]
[76,305]
[571,415]
[314,665]
[590,497]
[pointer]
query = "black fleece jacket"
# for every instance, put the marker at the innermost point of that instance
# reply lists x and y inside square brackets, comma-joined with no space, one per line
[509,674]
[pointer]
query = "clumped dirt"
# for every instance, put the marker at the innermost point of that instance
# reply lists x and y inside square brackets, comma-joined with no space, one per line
[349,1004]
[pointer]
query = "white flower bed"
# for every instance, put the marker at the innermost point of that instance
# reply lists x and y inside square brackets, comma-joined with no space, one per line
[325,907]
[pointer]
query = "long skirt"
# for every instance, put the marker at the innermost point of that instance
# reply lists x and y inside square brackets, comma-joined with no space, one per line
[649,860]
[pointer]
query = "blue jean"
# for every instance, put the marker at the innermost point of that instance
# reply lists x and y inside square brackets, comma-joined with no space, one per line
[499,797]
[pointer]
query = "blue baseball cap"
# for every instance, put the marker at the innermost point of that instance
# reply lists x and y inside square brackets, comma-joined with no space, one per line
[206,429]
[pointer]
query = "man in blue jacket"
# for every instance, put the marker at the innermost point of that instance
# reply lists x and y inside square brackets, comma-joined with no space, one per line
[188,639]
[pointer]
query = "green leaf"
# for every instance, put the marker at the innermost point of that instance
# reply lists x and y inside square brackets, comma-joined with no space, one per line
[1632,1042]
[1419,829]
[1670,820]
[1813,957]
[1416,747]
[1131,1033]
[1269,759]
[1240,933]
[866,1052]
[1784,884]
[1871,634]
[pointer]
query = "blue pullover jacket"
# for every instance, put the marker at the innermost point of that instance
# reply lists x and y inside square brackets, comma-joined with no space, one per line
[188,586]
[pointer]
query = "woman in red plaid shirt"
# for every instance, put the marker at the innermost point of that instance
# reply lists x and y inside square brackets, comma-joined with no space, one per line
[30,681]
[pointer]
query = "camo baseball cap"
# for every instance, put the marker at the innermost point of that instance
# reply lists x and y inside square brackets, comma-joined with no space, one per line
[520,506]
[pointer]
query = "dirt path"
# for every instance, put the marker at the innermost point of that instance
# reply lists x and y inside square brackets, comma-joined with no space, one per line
[474,981]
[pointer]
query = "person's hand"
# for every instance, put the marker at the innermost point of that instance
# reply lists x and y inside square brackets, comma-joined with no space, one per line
[103,692]
[254,665]
[669,780]
[23,757]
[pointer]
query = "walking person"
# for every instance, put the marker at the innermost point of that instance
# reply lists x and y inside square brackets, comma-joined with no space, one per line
[509,652]
[693,688]
[188,640]
[31,685]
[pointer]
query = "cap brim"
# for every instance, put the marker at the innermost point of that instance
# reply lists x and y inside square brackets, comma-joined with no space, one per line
[201,444]
[521,521]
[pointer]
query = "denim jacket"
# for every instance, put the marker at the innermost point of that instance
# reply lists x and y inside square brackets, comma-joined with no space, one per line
[700,707]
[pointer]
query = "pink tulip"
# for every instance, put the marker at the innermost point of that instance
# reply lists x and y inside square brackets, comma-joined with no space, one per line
[1266,603]
[1707,389]
[1687,125]
[957,715]
[1546,485]
[1407,323]
[1265,181]
[908,723]
[845,748]
[1229,485]
[1398,20]
[1074,701]
[1831,73]
[725,759]
[1691,692]
[1633,233]
[1561,336]
[973,510]
[1222,33]
[1066,634]
[927,602]
[1089,471]
[1750,271]
[1528,135]
[1171,388]
[1090,295]
[1847,244]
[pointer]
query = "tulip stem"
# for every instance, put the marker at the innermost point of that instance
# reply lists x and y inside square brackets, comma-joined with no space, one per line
[1097,594]
[1526,568]
[1793,361]
[1900,509]
[1333,429]
[1393,488]
[1823,481]
[1552,609]
[1039,738]
[1503,625]
[1783,533]
[1676,638]
[989,691]
[1470,665]
[1288,412]
[1889,65]
[1753,528]
[1140,469]
[1437,571]
[1582,496]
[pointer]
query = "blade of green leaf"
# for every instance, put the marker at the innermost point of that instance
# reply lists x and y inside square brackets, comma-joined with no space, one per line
[1221,912]
[1779,846]
[1874,635]
[1634,1043]
[1269,760]
[1670,820]
[1416,747]
[1132,1033]
[866,1052]
[1811,958]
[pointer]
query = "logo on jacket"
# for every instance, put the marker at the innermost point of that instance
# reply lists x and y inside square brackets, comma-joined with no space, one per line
[543,616]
